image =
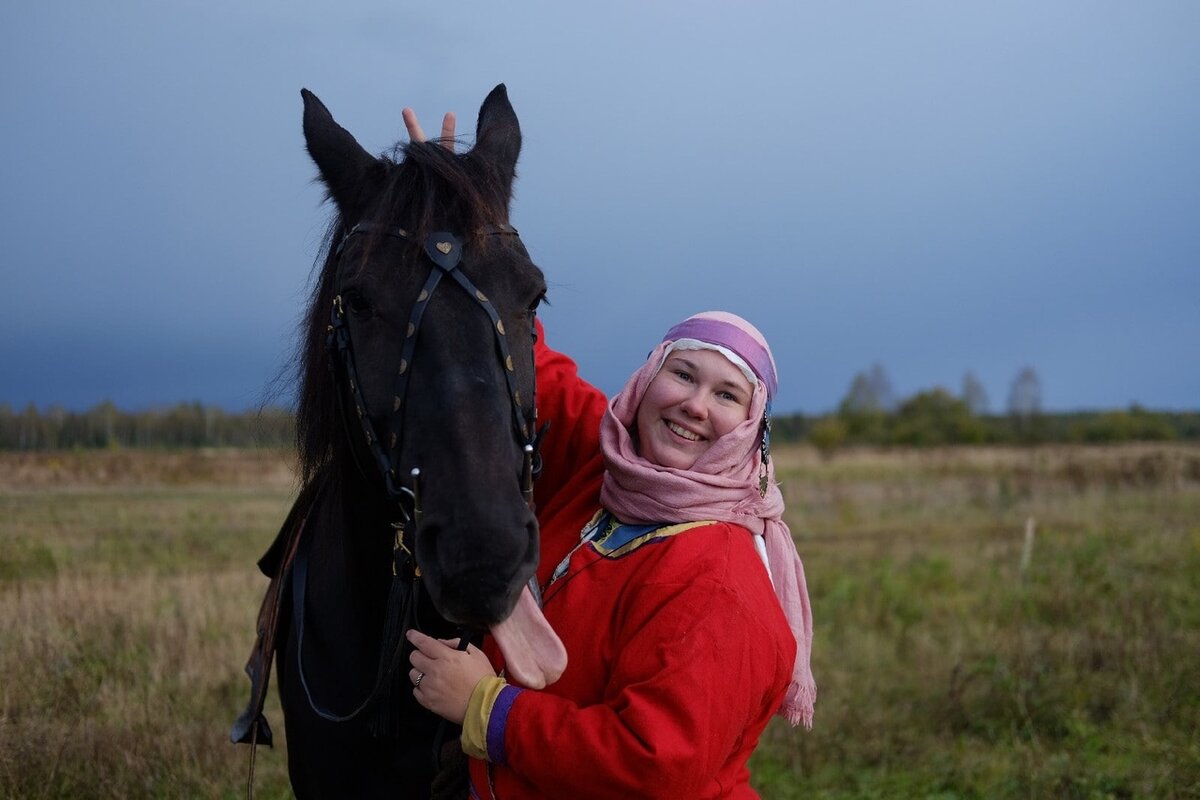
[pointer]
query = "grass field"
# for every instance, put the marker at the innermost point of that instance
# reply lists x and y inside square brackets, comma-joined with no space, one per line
[128,593]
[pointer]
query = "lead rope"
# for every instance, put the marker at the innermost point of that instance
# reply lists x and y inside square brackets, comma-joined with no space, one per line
[439,735]
[464,642]
[253,752]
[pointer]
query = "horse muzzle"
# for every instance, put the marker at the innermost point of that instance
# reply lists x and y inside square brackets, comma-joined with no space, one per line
[475,574]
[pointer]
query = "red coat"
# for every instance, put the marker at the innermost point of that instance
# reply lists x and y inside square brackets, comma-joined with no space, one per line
[678,651]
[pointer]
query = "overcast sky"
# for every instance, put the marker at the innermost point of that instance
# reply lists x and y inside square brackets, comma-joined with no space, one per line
[933,186]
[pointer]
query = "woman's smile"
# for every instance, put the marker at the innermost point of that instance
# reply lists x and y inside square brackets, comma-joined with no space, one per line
[681,431]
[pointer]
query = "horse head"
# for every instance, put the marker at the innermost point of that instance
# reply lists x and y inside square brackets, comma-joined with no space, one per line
[424,315]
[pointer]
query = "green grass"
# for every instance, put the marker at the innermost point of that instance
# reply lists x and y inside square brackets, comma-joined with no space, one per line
[128,531]
[944,672]
[128,595]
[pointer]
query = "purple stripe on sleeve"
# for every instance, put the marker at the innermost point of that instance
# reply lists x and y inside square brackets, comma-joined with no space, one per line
[715,331]
[497,722]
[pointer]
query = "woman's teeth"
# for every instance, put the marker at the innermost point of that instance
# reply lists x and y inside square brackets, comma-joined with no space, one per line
[683,432]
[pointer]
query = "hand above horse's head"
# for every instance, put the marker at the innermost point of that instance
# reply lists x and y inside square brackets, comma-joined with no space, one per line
[417,135]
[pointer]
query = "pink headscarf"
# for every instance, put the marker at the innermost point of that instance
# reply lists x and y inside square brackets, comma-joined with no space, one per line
[722,485]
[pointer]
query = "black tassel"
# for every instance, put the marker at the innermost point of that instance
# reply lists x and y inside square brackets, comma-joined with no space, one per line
[391,676]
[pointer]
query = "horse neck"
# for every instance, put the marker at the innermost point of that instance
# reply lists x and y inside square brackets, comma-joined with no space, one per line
[351,545]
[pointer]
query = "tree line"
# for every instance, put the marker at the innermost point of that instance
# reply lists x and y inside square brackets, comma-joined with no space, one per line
[106,426]
[871,413]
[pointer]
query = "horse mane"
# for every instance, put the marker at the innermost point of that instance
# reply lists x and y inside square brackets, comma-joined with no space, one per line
[422,187]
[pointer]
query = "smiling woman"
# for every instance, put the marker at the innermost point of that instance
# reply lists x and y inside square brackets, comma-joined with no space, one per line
[695,399]
[668,573]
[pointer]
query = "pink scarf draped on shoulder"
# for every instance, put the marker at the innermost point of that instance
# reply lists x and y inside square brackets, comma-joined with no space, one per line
[723,485]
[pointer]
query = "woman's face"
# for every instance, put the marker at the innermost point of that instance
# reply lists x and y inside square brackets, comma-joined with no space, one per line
[696,398]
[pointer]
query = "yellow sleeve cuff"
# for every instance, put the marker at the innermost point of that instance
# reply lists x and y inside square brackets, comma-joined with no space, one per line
[479,713]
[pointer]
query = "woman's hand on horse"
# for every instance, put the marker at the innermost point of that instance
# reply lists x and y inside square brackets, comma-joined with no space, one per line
[417,135]
[447,676]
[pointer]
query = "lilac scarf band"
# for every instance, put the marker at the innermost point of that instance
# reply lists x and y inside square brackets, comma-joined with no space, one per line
[722,485]
[716,327]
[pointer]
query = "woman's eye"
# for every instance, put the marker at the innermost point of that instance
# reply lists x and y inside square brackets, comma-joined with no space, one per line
[684,375]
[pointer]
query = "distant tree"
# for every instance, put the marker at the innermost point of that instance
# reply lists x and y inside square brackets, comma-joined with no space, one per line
[1136,424]
[1184,424]
[863,411]
[936,417]
[789,427]
[104,420]
[1025,403]
[859,397]
[828,434]
[881,386]
[8,427]
[27,432]
[870,391]
[1149,426]
[974,395]
[1025,396]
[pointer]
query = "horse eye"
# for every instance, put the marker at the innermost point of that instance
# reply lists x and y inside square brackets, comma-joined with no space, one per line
[357,304]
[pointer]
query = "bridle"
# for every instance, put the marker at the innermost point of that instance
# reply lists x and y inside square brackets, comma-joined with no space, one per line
[445,252]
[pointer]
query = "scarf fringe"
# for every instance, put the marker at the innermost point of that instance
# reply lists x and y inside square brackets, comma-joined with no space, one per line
[798,704]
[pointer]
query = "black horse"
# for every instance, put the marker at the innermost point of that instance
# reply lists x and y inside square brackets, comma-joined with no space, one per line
[416,427]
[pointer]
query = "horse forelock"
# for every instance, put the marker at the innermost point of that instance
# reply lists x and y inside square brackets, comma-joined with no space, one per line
[428,188]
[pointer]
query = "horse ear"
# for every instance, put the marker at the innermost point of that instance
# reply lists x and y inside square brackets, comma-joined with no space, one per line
[343,162]
[498,136]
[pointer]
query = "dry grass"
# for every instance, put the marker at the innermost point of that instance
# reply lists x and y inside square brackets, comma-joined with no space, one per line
[127,600]
[80,469]
[128,592]
[125,687]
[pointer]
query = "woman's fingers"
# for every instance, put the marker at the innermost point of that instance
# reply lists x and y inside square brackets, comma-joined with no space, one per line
[416,134]
[442,676]
[448,131]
